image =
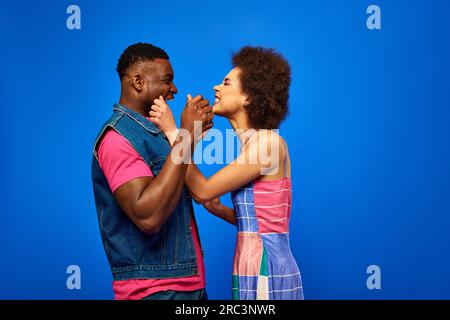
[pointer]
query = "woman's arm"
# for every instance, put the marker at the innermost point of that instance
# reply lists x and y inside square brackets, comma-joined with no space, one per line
[260,156]
[255,160]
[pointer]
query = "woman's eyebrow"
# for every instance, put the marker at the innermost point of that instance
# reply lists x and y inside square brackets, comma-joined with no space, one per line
[226,79]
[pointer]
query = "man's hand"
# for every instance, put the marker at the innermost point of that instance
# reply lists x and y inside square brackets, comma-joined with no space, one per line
[196,111]
[218,209]
[214,206]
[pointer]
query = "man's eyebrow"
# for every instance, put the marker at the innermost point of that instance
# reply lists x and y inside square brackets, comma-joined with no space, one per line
[168,75]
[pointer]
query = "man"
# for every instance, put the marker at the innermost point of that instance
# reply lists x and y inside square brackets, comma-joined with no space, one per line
[144,211]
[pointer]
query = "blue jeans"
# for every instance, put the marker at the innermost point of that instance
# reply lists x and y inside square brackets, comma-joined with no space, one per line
[178,295]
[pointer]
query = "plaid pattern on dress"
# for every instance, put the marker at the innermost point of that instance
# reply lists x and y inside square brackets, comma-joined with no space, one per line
[263,266]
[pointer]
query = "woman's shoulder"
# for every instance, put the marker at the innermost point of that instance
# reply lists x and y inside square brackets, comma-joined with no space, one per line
[271,139]
[268,147]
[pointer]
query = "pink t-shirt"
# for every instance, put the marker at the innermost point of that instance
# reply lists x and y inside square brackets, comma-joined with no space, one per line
[121,163]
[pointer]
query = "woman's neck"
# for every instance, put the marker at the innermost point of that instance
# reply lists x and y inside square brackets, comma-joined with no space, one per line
[240,126]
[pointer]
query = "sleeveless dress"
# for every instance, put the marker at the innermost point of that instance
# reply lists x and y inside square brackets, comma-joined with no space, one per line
[264,267]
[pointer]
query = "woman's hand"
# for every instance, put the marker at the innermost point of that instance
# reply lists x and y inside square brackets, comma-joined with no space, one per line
[162,116]
[218,209]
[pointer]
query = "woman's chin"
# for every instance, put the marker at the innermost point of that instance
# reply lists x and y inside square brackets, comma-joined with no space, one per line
[218,112]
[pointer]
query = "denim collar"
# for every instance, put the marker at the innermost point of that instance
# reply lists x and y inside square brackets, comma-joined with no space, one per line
[140,119]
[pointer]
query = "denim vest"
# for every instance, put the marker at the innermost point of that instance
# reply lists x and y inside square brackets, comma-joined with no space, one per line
[131,253]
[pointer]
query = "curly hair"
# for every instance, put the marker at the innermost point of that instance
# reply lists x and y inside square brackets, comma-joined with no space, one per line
[136,53]
[265,77]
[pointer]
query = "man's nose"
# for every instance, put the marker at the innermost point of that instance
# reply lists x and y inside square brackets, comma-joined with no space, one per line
[173,89]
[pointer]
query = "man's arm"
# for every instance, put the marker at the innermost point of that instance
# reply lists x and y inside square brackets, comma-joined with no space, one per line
[150,201]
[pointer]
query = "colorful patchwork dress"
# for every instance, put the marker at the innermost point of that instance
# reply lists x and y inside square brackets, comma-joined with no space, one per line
[263,267]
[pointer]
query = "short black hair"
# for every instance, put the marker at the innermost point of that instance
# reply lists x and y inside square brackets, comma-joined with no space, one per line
[136,53]
[265,78]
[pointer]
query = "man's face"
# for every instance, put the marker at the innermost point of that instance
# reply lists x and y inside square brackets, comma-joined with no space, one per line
[158,81]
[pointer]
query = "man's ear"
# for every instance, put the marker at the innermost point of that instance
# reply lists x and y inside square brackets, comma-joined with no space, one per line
[137,81]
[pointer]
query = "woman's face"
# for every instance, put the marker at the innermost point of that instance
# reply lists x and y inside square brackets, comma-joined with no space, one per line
[229,97]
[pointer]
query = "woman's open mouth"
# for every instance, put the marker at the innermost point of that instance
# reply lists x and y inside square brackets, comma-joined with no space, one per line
[217,100]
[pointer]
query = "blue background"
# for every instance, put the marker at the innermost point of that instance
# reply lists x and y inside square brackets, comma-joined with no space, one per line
[368,133]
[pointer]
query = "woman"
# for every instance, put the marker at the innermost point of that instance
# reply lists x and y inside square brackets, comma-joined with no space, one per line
[254,98]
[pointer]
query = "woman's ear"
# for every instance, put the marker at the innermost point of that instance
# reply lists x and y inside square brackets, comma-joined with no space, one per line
[245,101]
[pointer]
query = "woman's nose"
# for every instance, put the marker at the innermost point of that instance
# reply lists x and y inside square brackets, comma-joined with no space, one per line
[216,88]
